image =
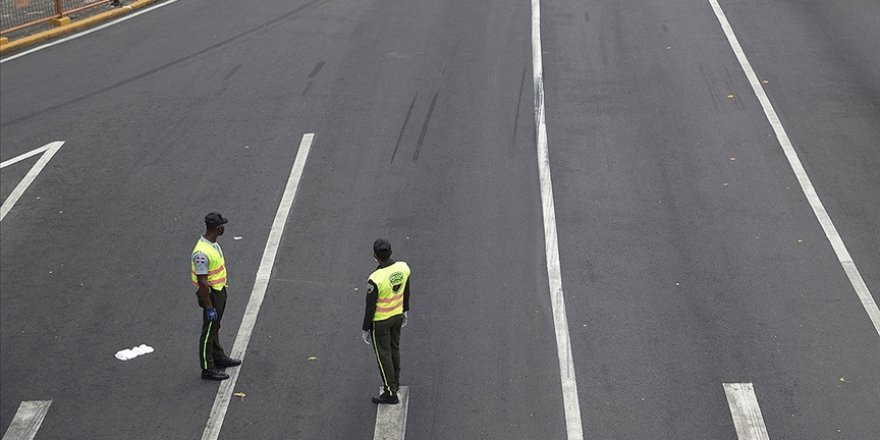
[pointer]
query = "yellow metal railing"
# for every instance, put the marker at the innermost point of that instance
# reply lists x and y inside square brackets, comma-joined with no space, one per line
[19,14]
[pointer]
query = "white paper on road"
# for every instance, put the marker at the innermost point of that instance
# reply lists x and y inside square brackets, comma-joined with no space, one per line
[133,352]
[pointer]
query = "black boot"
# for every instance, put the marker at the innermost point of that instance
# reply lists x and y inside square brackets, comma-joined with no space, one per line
[390,399]
[214,374]
[227,362]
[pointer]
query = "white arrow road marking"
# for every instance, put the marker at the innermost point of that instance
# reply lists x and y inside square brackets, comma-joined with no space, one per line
[24,156]
[745,411]
[48,151]
[391,419]
[27,420]
[245,330]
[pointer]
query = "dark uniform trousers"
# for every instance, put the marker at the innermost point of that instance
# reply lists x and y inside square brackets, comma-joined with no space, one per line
[386,344]
[209,343]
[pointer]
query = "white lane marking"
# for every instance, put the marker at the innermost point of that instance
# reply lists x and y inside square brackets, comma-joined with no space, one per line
[27,420]
[846,261]
[391,419]
[221,402]
[746,413]
[570,402]
[24,156]
[51,149]
[84,33]
[133,352]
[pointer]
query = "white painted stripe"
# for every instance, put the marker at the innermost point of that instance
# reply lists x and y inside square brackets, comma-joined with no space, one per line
[221,402]
[51,149]
[391,419]
[846,261]
[746,413]
[27,420]
[570,402]
[24,156]
[84,33]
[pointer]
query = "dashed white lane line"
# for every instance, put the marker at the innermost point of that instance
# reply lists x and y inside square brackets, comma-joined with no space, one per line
[94,29]
[843,256]
[221,402]
[48,151]
[570,403]
[27,420]
[746,413]
[391,419]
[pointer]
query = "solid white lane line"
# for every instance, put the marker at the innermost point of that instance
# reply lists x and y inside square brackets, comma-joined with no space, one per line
[391,419]
[846,261]
[50,150]
[24,156]
[746,413]
[84,33]
[570,402]
[221,402]
[27,420]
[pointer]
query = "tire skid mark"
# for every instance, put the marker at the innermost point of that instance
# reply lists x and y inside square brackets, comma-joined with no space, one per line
[307,88]
[425,128]
[522,84]
[316,69]
[231,72]
[403,128]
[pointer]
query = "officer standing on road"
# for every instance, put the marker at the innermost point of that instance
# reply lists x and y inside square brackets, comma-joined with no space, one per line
[385,314]
[209,274]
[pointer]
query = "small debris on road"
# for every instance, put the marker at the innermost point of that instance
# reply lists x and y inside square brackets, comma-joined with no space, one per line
[133,352]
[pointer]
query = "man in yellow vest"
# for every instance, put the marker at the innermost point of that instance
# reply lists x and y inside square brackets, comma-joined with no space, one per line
[209,275]
[385,314]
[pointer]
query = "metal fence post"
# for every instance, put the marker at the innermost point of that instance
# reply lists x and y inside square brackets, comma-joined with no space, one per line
[59,9]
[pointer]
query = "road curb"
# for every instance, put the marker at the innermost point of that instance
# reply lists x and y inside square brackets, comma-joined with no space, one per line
[74,26]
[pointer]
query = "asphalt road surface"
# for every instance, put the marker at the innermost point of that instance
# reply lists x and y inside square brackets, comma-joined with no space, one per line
[690,256]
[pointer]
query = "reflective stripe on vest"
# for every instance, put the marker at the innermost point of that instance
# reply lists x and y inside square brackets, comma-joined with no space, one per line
[390,282]
[216,265]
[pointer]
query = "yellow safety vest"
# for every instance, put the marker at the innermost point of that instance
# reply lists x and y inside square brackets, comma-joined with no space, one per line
[216,265]
[390,281]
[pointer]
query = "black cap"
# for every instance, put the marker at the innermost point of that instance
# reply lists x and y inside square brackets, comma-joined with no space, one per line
[214,219]
[382,248]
